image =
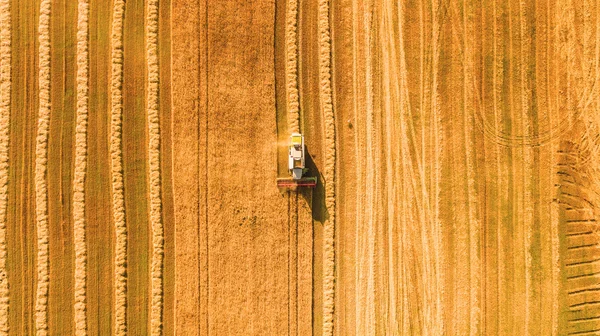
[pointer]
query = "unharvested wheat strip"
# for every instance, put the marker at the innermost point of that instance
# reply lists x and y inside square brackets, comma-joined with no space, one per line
[5,92]
[81,167]
[291,66]
[41,161]
[326,103]
[154,166]
[116,155]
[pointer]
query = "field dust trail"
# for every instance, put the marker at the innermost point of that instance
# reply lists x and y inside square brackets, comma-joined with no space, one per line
[326,105]
[5,94]
[116,154]
[79,230]
[156,220]
[41,161]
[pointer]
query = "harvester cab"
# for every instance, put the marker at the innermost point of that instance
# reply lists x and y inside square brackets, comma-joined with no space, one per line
[296,166]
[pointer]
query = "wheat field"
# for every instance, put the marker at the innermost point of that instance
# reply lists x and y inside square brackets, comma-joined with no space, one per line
[456,145]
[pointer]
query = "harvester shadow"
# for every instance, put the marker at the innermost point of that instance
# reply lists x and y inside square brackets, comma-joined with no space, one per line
[315,197]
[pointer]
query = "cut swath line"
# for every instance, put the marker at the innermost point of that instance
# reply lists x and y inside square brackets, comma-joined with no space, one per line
[116,155]
[579,291]
[584,319]
[584,304]
[81,167]
[154,167]
[326,102]
[41,168]
[5,92]
[291,67]
[582,262]
[576,234]
[574,277]
[584,332]
[581,246]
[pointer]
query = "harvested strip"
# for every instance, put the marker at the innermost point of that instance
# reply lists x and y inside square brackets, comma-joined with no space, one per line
[81,167]
[329,171]
[154,166]
[41,167]
[116,154]
[5,92]
[291,56]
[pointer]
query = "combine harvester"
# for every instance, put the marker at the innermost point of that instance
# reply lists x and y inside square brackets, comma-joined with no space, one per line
[296,166]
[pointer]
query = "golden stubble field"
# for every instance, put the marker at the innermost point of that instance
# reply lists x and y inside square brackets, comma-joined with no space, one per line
[456,145]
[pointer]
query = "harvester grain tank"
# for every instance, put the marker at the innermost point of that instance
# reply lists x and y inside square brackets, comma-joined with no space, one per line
[297,165]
